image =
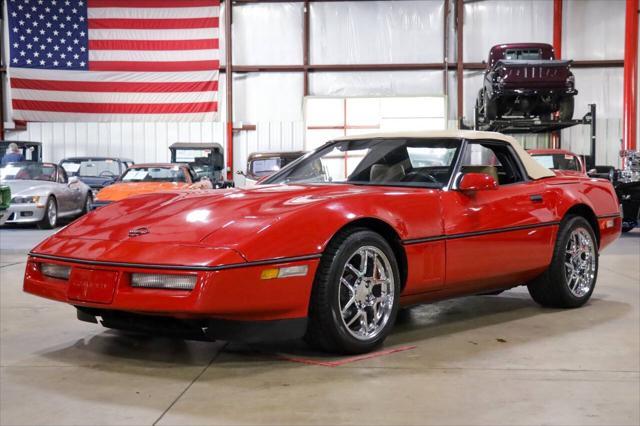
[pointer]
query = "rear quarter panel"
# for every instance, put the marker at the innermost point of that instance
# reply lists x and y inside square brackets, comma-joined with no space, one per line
[597,194]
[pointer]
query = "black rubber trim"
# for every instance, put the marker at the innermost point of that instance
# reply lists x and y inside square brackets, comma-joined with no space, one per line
[206,329]
[608,216]
[177,267]
[477,233]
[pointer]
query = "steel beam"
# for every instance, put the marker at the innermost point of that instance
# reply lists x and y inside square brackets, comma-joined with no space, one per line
[630,91]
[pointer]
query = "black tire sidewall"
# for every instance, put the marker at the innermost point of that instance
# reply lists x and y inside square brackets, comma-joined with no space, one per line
[558,268]
[346,250]
[87,204]
[45,223]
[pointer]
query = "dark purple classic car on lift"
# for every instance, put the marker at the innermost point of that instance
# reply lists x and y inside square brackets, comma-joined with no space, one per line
[525,79]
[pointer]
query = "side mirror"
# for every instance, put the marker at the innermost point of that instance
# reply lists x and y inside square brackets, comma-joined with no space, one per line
[73,181]
[477,182]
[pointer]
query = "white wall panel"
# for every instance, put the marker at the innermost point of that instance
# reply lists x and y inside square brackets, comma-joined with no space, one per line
[267,97]
[491,22]
[267,34]
[143,142]
[373,32]
[608,141]
[376,83]
[602,86]
[593,29]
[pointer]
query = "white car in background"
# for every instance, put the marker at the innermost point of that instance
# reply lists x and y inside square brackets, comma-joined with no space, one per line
[41,193]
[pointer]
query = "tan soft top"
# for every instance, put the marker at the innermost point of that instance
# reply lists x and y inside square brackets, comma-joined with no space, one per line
[533,168]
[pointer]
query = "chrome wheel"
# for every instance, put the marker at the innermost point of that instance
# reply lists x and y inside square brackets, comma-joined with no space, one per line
[366,293]
[52,213]
[580,262]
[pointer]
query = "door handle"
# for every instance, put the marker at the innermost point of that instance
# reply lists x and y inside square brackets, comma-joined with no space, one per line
[537,198]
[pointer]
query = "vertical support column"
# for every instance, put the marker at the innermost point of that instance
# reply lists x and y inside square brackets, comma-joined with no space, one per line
[459,58]
[557,47]
[305,47]
[2,74]
[445,52]
[630,92]
[557,28]
[228,16]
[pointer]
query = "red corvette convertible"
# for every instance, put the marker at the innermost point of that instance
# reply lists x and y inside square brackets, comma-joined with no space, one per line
[333,244]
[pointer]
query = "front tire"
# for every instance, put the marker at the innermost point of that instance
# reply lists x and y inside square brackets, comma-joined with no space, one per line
[570,279]
[355,297]
[490,108]
[88,202]
[50,219]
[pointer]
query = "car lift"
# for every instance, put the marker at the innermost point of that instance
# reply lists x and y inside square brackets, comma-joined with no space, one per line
[520,125]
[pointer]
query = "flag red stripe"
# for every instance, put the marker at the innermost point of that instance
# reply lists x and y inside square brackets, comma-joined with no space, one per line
[153,66]
[120,87]
[152,24]
[95,108]
[153,3]
[212,43]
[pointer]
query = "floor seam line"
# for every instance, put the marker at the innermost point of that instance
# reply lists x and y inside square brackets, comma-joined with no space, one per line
[11,264]
[619,273]
[195,379]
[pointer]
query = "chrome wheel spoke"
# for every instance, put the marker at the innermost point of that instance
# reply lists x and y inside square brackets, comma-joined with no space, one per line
[580,261]
[366,293]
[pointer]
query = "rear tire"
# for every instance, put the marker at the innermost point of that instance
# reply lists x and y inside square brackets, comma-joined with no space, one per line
[50,219]
[571,277]
[490,109]
[354,302]
[566,108]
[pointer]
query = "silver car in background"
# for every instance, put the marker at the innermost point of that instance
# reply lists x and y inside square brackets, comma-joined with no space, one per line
[41,193]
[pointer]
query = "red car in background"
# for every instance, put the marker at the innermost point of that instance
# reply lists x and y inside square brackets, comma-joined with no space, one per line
[562,162]
[332,245]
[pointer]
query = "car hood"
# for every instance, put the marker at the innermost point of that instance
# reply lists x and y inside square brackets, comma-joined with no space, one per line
[250,222]
[28,187]
[122,190]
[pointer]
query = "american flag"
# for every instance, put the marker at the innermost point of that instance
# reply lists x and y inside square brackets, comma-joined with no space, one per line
[114,60]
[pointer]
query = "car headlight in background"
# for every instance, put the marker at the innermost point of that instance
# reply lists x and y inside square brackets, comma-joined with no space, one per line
[164,281]
[32,199]
[52,270]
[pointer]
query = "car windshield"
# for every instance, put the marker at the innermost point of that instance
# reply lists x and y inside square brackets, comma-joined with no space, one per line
[264,166]
[28,171]
[392,162]
[92,168]
[154,174]
[558,161]
[523,54]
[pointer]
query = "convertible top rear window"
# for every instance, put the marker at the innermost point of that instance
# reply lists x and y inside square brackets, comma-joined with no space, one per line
[392,162]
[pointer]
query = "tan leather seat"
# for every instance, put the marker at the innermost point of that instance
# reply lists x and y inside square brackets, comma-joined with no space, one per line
[384,173]
[489,170]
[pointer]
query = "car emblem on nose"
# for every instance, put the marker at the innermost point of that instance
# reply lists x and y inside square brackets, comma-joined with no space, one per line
[138,231]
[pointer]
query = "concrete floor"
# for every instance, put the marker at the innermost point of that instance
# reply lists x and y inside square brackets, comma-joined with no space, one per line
[477,360]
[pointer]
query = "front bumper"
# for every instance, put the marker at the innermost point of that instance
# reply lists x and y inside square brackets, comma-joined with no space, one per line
[23,213]
[235,296]
[505,91]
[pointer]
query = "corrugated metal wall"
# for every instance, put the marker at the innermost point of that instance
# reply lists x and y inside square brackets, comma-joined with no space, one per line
[149,142]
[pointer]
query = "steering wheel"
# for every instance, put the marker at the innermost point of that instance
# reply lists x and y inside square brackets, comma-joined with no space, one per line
[419,177]
[107,173]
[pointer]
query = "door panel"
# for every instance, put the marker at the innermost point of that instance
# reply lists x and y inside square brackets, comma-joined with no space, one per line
[498,236]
